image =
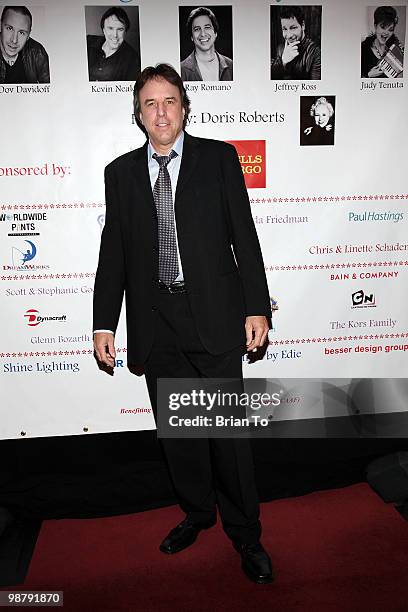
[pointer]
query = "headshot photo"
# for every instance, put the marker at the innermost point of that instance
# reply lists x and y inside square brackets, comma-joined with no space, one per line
[23,59]
[295,42]
[113,43]
[206,43]
[382,50]
[317,120]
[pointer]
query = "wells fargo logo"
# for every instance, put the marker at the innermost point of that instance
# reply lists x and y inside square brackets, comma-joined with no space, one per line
[251,154]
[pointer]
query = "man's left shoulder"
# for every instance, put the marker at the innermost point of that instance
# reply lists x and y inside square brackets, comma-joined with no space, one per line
[227,61]
[34,46]
[129,50]
[312,46]
[212,145]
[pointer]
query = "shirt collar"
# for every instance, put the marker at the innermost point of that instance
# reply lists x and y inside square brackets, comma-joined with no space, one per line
[177,147]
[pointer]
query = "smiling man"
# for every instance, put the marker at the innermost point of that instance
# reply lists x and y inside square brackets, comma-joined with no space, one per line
[298,57]
[110,57]
[180,243]
[22,59]
[204,63]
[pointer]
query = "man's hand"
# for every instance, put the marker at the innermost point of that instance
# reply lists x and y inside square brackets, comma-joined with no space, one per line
[104,346]
[290,52]
[256,329]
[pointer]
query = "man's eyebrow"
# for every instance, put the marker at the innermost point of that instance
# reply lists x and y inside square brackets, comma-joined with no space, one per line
[154,99]
[10,25]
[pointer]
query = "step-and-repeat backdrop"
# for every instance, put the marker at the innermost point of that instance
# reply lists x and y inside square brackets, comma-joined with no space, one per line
[313,96]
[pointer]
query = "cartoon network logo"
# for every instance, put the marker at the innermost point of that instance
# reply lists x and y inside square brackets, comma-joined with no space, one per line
[360,299]
[34,318]
[251,155]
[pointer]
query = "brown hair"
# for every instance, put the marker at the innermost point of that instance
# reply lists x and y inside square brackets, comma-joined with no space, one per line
[162,71]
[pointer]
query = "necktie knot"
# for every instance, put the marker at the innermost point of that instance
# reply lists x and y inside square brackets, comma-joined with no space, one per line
[163,160]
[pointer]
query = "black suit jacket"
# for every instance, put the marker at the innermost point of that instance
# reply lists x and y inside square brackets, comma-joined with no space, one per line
[219,249]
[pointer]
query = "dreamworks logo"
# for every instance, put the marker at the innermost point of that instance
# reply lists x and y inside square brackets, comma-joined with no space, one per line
[359,299]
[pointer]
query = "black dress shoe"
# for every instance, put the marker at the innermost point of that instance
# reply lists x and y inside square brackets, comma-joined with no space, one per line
[183,536]
[255,562]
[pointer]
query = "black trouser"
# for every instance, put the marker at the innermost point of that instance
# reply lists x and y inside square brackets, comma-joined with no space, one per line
[205,472]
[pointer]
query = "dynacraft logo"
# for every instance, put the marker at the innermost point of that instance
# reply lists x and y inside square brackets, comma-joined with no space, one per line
[251,155]
[360,299]
[34,318]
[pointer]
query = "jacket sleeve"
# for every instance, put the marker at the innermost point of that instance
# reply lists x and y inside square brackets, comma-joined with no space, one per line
[277,68]
[316,63]
[244,237]
[43,66]
[110,275]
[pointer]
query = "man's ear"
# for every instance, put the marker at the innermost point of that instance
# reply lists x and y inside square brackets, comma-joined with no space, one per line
[141,118]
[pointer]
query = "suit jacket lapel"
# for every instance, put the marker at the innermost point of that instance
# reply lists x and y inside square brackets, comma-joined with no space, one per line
[140,172]
[141,180]
[188,163]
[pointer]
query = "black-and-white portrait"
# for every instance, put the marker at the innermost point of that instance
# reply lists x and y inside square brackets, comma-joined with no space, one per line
[295,42]
[23,59]
[317,120]
[382,46]
[206,43]
[113,42]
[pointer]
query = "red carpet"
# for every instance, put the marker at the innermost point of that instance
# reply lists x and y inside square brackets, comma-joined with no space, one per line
[342,550]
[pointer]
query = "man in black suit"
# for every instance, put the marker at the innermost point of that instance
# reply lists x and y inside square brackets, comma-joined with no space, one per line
[196,296]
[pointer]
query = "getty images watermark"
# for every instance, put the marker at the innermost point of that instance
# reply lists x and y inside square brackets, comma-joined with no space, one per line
[209,401]
[259,407]
[212,407]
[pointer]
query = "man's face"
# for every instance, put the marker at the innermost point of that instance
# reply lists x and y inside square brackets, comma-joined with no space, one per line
[161,113]
[383,32]
[114,32]
[292,30]
[321,115]
[15,30]
[203,34]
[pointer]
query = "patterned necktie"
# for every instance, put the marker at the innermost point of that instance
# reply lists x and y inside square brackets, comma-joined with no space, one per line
[168,262]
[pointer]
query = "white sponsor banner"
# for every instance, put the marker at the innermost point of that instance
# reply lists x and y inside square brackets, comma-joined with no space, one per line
[322,146]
